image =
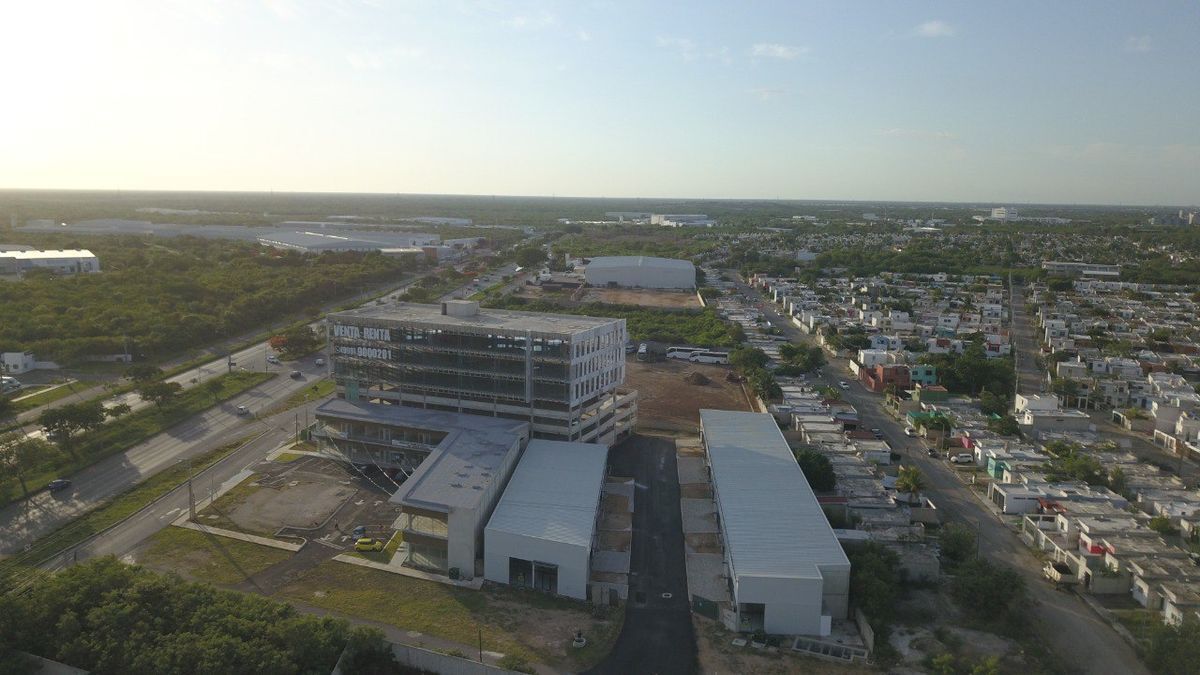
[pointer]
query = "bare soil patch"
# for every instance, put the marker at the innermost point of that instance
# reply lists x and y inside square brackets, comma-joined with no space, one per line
[665,397]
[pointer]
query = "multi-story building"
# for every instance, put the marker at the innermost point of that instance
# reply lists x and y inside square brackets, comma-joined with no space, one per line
[559,373]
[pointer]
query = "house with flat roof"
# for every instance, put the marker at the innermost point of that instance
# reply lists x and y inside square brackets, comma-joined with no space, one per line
[542,533]
[787,570]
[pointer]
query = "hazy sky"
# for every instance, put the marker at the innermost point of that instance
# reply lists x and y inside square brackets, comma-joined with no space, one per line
[1090,101]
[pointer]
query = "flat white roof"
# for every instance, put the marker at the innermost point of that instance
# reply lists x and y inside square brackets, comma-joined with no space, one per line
[554,493]
[770,518]
[459,468]
[48,254]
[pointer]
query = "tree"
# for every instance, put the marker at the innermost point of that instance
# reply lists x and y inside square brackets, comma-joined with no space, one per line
[532,256]
[6,406]
[21,454]
[985,590]
[144,372]
[214,387]
[817,469]
[957,543]
[911,481]
[1117,481]
[747,358]
[874,582]
[1174,649]
[991,404]
[367,653]
[160,393]
[62,423]
[295,341]
[1005,426]
[1162,525]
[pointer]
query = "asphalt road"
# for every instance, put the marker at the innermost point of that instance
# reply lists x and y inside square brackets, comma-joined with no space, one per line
[657,636]
[23,522]
[1025,346]
[1071,629]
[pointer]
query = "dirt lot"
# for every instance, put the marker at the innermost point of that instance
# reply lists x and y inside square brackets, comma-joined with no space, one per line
[718,656]
[643,297]
[666,399]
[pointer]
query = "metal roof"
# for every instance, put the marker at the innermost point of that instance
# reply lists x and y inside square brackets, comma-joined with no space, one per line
[770,518]
[554,493]
[492,319]
[626,261]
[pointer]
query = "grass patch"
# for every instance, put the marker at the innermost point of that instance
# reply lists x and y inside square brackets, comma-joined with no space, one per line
[125,432]
[50,395]
[285,457]
[1139,622]
[217,560]
[317,390]
[119,508]
[510,620]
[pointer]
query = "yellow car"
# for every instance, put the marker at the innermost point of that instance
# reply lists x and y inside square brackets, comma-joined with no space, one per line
[368,544]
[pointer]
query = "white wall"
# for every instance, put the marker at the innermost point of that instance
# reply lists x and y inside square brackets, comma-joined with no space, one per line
[792,606]
[572,560]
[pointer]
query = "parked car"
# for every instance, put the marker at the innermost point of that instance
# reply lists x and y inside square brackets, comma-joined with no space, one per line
[271,358]
[844,384]
[360,531]
[368,544]
[877,433]
[58,484]
[320,362]
[963,458]
[910,432]
[931,452]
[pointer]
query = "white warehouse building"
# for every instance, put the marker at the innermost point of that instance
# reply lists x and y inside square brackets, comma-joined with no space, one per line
[787,571]
[635,271]
[540,536]
[66,261]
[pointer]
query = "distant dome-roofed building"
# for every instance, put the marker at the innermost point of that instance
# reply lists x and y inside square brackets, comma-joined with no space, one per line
[635,271]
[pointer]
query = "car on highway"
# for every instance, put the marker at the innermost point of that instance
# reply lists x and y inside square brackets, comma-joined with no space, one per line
[368,544]
[271,358]
[58,484]
[320,362]
[242,411]
[877,433]
[844,384]
[297,375]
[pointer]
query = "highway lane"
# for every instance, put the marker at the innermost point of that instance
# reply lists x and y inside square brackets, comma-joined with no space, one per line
[23,522]
[1072,630]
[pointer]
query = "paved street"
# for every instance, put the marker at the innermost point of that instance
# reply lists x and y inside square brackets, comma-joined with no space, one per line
[23,522]
[1072,630]
[1025,346]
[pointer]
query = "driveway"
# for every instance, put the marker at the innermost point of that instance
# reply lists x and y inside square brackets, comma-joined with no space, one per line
[657,636]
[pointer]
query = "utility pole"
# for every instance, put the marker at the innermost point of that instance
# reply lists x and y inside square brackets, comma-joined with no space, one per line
[481,645]
[191,495]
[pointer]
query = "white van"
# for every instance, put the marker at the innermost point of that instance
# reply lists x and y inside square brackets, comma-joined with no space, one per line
[682,353]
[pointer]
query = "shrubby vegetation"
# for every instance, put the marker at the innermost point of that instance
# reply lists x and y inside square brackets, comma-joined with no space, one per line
[168,295]
[108,617]
[702,327]
[818,470]
[972,371]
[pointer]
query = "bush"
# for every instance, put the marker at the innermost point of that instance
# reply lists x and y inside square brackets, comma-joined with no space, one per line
[987,591]
[817,469]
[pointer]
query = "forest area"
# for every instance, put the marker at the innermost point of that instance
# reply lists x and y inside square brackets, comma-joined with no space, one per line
[169,295]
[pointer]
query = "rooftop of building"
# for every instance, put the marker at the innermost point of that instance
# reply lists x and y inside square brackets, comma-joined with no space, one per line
[48,254]
[554,493]
[622,261]
[771,520]
[458,468]
[493,319]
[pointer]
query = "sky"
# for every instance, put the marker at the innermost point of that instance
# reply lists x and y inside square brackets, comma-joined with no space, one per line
[1093,101]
